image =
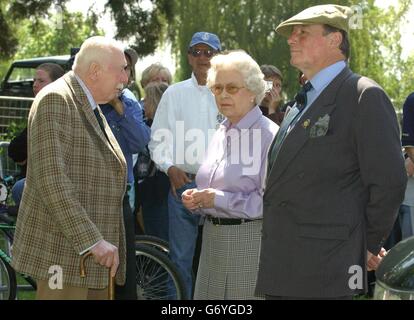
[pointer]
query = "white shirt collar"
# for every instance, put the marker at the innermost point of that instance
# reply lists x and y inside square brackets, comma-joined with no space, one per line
[87,92]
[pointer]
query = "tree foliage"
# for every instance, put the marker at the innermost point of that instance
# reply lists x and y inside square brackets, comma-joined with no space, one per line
[11,14]
[376,49]
[140,26]
[249,25]
[50,36]
[241,24]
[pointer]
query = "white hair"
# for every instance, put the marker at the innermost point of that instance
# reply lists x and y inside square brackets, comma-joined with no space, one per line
[239,61]
[95,49]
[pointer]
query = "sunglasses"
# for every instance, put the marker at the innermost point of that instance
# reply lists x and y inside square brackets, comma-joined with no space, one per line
[198,52]
[230,89]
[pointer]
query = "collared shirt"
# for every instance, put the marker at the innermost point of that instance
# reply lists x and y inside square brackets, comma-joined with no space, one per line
[130,130]
[87,92]
[321,80]
[186,118]
[235,166]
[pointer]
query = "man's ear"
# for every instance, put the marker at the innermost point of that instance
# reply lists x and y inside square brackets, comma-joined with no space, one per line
[94,70]
[335,39]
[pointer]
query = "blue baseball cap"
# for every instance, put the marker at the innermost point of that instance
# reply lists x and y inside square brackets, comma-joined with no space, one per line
[207,38]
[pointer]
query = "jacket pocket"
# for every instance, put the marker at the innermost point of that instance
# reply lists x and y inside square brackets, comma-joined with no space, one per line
[324,231]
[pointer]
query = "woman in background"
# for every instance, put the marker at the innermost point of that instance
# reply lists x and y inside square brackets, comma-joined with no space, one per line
[155,73]
[45,73]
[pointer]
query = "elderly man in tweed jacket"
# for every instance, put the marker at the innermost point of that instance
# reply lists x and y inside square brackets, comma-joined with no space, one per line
[76,180]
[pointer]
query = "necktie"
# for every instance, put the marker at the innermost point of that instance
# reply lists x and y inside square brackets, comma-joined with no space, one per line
[301,101]
[301,97]
[98,117]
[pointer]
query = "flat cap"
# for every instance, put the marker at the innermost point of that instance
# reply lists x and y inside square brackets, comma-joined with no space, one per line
[330,14]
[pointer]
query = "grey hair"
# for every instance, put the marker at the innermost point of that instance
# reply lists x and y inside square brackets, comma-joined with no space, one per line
[240,61]
[95,49]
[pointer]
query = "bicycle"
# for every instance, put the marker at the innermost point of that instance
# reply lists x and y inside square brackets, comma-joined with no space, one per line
[153,241]
[157,276]
[155,271]
[8,279]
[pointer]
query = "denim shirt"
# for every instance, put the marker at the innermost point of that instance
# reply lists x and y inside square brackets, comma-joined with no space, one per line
[130,130]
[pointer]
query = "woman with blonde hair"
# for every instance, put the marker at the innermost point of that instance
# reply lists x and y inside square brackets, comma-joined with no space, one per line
[155,73]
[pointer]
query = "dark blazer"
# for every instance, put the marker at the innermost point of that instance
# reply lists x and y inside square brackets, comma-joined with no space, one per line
[332,193]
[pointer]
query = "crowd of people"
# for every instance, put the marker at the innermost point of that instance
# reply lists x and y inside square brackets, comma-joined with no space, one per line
[282,199]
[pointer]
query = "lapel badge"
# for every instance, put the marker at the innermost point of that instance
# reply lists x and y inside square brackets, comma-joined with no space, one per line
[306,124]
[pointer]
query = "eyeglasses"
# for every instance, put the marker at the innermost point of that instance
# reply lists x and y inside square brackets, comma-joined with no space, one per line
[230,89]
[198,52]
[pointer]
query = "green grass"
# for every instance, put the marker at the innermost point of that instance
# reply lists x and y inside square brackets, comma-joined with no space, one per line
[21,294]
[24,295]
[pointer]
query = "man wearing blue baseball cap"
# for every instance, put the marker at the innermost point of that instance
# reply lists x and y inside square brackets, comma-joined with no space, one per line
[185,106]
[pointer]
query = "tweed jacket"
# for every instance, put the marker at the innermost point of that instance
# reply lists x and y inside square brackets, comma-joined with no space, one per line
[76,181]
[333,193]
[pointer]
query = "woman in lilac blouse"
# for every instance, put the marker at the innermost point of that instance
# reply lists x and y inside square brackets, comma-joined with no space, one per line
[230,182]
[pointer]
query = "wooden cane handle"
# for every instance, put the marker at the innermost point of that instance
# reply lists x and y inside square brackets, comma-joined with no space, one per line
[111,280]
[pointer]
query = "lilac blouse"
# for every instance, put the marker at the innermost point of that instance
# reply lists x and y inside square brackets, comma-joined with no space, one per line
[235,166]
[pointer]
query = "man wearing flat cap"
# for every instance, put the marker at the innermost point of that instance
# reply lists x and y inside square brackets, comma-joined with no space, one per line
[185,108]
[335,175]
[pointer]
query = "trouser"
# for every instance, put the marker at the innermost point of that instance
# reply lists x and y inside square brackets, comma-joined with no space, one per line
[183,230]
[44,292]
[406,221]
[17,191]
[129,290]
[155,215]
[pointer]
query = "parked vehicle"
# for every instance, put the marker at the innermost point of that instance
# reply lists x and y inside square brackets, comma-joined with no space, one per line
[18,81]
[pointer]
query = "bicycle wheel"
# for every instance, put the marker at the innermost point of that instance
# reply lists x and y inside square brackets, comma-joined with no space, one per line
[157,276]
[153,241]
[7,281]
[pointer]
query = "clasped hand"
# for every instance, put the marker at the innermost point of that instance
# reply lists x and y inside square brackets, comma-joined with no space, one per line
[194,199]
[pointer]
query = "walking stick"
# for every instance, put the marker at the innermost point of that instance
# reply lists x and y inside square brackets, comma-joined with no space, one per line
[111,280]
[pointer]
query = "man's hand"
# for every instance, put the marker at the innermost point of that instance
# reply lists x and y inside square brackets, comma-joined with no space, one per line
[106,254]
[178,178]
[409,167]
[187,199]
[194,199]
[374,261]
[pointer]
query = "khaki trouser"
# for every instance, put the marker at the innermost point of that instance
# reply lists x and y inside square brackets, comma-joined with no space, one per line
[68,292]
